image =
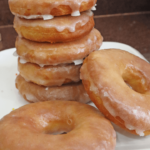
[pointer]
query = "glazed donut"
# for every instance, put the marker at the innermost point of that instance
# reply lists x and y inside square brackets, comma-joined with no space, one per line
[49,75]
[31,9]
[58,53]
[105,74]
[59,29]
[34,93]
[33,127]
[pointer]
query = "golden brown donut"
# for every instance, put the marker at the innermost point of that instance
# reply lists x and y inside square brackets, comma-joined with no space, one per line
[59,29]
[35,93]
[49,75]
[33,127]
[58,53]
[33,9]
[105,74]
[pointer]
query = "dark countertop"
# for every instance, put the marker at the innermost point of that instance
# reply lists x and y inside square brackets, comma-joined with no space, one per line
[132,29]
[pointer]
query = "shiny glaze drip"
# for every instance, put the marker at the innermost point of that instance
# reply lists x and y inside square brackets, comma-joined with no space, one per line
[46,88]
[44,17]
[78,62]
[94,7]
[76,13]
[48,17]
[23,61]
[30,97]
[139,132]
[15,54]
[41,65]
[59,23]
[73,4]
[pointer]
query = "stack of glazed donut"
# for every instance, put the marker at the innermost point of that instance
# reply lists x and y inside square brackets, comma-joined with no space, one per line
[50,56]
[53,39]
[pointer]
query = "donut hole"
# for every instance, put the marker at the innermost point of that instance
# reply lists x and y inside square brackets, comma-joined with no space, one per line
[136,80]
[59,127]
[58,133]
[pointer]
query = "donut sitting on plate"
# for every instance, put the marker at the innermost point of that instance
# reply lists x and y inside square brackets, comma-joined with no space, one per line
[38,126]
[119,85]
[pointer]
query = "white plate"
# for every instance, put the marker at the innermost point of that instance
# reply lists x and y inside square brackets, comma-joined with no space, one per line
[10,97]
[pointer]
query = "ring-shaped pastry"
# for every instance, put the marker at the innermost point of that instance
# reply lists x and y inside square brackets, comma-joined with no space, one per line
[105,74]
[59,29]
[49,75]
[31,9]
[58,53]
[35,93]
[33,127]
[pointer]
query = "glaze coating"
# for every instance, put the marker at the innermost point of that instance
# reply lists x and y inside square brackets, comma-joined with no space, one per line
[33,126]
[59,29]
[58,53]
[50,7]
[36,93]
[105,74]
[49,75]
